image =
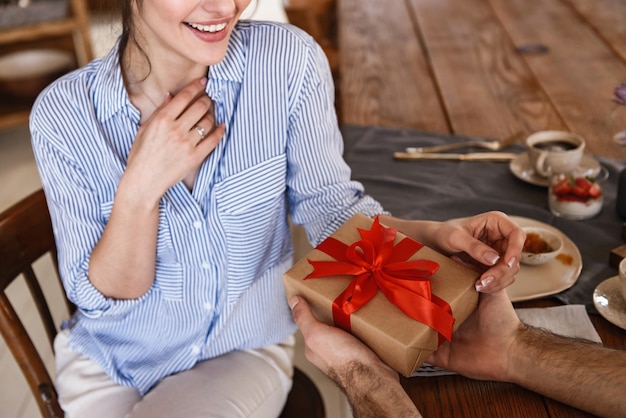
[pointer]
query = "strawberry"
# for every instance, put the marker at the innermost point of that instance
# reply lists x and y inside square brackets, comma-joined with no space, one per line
[579,189]
[582,182]
[562,187]
[595,191]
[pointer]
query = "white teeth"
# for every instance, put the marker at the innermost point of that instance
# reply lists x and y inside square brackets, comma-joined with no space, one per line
[208,28]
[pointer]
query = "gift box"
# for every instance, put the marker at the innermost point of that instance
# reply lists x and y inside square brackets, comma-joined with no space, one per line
[401,298]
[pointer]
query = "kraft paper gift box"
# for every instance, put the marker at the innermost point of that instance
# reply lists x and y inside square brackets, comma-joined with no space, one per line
[399,340]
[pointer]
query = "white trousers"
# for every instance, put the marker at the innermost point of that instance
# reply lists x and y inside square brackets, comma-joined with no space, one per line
[250,383]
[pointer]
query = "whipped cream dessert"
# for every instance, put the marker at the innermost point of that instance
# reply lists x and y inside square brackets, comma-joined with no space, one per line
[575,197]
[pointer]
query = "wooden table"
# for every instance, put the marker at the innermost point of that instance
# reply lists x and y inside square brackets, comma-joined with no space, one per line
[455,66]
[487,68]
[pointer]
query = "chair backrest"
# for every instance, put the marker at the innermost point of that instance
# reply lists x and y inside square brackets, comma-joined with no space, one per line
[318,18]
[26,236]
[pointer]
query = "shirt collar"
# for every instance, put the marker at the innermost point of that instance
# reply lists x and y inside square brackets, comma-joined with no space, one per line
[110,94]
[232,67]
[111,97]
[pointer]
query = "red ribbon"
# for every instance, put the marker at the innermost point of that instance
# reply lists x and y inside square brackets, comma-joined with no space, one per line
[376,263]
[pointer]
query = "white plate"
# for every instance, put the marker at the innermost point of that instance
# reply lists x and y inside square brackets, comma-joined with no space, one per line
[520,167]
[608,300]
[549,278]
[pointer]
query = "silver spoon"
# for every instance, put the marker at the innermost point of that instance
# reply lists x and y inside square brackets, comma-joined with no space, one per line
[493,145]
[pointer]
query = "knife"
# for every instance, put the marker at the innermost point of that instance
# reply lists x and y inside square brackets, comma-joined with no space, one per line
[472,156]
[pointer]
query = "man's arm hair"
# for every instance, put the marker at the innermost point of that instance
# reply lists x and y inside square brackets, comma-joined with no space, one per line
[372,394]
[577,372]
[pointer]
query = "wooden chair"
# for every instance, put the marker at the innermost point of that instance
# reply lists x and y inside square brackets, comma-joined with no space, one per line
[25,236]
[319,19]
[71,33]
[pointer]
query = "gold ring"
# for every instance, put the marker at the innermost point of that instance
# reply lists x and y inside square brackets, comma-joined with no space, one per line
[201,131]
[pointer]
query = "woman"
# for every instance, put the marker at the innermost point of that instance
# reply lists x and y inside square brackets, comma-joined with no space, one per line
[170,167]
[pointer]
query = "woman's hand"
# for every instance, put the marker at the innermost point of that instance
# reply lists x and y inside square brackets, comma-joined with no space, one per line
[174,141]
[490,243]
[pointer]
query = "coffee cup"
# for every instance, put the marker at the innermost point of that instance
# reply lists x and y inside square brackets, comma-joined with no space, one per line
[622,277]
[554,152]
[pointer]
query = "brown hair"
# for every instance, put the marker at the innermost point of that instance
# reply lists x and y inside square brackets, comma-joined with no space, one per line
[128,25]
[124,10]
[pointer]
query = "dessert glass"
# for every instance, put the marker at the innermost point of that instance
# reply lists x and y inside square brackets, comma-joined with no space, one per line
[577,195]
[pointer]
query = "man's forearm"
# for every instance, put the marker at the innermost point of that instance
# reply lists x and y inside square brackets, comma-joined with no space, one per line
[579,373]
[372,393]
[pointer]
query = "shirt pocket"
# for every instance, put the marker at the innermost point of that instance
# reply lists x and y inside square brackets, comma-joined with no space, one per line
[252,210]
[168,270]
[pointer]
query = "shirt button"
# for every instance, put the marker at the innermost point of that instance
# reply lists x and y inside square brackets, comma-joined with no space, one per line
[195,350]
[206,265]
[197,224]
[208,306]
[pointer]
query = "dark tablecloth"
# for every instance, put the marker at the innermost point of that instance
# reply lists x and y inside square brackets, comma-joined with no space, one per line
[441,190]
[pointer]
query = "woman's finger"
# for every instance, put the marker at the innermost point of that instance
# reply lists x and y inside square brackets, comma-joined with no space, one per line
[179,103]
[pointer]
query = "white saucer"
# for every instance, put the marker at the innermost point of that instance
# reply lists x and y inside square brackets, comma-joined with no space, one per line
[552,277]
[521,169]
[608,300]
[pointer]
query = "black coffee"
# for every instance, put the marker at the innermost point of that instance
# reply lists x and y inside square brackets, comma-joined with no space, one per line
[556,145]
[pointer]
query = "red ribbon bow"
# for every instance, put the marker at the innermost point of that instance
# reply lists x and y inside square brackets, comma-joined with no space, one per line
[376,263]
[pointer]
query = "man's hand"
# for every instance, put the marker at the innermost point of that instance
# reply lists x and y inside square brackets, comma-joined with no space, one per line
[481,346]
[372,388]
[492,344]
[330,348]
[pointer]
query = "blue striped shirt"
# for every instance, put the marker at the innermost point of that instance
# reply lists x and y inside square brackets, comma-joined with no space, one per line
[222,248]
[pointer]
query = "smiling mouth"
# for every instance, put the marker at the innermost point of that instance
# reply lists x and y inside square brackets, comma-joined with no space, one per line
[208,28]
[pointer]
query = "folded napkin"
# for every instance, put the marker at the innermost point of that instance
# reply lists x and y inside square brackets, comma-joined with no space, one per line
[567,320]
